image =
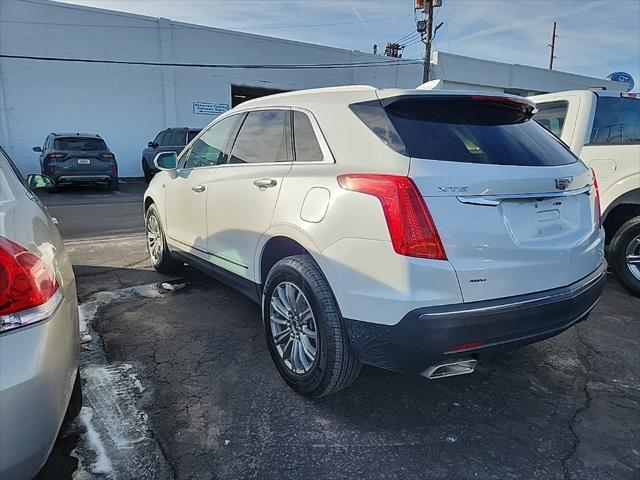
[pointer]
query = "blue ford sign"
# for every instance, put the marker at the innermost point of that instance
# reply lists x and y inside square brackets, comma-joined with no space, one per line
[622,77]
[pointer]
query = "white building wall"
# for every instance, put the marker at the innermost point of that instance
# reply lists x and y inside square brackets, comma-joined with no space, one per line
[466,73]
[127,104]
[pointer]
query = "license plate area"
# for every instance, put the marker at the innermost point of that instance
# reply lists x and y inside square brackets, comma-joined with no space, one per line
[84,161]
[536,220]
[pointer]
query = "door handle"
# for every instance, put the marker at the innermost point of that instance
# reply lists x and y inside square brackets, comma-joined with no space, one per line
[198,188]
[265,182]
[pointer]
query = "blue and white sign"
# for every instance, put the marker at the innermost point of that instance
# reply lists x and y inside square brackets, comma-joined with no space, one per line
[208,108]
[622,77]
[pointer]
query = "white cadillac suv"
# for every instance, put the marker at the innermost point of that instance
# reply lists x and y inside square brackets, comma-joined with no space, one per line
[413,230]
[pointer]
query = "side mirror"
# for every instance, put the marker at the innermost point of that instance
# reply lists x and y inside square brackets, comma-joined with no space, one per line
[35,181]
[166,161]
[151,145]
[37,149]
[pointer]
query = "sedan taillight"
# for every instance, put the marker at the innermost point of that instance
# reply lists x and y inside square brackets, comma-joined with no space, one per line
[29,291]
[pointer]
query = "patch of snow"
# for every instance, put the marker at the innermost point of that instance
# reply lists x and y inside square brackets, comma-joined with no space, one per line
[89,308]
[86,339]
[102,463]
[625,385]
[125,367]
[148,291]
[451,439]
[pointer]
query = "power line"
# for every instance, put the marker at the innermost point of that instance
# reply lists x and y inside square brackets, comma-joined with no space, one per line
[302,66]
[408,35]
[416,36]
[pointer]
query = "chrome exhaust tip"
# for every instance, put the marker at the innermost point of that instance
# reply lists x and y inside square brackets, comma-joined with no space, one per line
[462,367]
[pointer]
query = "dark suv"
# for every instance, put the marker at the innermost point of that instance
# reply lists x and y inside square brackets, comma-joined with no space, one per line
[78,158]
[171,139]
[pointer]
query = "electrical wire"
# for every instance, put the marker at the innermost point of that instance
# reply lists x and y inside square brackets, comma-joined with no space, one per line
[308,66]
[411,38]
[404,39]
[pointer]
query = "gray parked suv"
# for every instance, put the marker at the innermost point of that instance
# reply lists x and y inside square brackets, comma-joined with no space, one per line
[169,140]
[78,158]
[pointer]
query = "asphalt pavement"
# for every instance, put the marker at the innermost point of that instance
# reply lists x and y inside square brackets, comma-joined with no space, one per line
[179,385]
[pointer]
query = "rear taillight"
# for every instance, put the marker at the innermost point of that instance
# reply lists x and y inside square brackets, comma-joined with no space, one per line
[55,154]
[107,155]
[595,186]
[29,291]
[412,230]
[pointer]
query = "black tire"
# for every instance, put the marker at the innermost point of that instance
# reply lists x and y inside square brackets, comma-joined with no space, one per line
[75,402]
[163,262]
[114,184]
[147,174]
[336,365]
[621,241]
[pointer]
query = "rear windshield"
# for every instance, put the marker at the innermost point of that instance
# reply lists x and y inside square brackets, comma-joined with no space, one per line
[79,143]
[463,129]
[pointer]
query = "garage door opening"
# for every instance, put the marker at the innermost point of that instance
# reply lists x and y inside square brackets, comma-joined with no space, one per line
[241,94]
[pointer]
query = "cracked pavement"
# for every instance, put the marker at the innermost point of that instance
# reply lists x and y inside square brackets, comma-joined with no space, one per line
[566,408]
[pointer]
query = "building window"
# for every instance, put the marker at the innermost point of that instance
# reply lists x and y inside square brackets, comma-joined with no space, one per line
[241,94]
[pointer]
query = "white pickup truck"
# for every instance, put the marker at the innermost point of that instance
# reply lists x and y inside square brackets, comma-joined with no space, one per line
[603,129]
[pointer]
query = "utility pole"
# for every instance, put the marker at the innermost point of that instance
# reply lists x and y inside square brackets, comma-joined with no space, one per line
[428,11]
[553,46]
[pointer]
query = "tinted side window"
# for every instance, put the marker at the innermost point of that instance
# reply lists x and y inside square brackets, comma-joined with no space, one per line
[158,139]
[177,138]
[192,134]
[617,121]
[551,115]
[208,150]
[306,146]
[262,138]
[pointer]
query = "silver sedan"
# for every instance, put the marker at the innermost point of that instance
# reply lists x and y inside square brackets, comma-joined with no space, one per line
[39,330]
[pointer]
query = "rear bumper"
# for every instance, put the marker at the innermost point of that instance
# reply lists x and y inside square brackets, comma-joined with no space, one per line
[38,365]
[427,336]
[84,178]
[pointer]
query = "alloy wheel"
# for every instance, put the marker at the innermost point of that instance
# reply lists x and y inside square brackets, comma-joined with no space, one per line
[293,328]
[633,257]
[154,239]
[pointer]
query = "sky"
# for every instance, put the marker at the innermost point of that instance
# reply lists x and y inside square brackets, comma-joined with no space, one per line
[594,37]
